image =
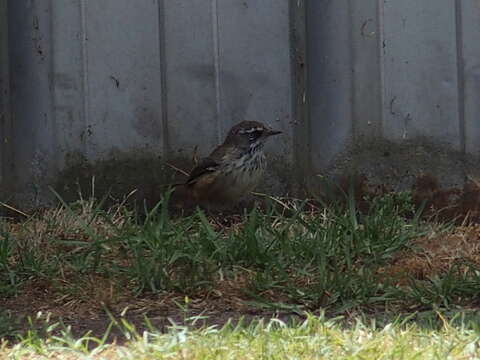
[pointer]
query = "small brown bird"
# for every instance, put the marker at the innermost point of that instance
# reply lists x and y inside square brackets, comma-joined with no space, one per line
[233,169]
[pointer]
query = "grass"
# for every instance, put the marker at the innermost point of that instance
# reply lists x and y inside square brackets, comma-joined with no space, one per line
[79,261]
[313,338]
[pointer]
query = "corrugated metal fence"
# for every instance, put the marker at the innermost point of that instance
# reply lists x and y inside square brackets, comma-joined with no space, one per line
[389,88]
[398,84]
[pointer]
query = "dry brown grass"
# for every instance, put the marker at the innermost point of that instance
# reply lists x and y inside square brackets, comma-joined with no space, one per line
[435,254]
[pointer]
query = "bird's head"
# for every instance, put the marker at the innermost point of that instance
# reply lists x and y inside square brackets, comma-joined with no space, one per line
[249,134]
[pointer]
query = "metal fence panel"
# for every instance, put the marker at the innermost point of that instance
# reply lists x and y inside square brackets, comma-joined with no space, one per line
[469,32]
[420,70]
[124,82]
[394,89]
[330,85]
[34,129]
[191,75]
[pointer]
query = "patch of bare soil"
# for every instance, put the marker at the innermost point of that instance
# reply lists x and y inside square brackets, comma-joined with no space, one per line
[436,254]
[102,302]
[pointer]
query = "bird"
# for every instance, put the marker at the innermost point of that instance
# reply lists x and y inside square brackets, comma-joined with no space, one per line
[233,169]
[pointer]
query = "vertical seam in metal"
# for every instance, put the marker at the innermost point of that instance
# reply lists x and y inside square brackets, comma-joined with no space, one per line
[460,74]
[352,54]
[5,119]
[381,63]
[301,129]
[85,76]
[381,52]
[163,77]
[216,62]
[51,81]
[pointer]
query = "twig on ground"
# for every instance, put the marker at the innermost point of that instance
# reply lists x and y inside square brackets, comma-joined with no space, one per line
[14,209]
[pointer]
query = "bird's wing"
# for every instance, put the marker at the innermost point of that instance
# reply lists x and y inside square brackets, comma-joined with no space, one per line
[211,163]
[206,165]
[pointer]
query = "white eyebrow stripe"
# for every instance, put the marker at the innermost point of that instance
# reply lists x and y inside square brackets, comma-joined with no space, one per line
[251,130]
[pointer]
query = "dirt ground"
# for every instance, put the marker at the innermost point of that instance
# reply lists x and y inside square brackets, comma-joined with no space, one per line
[225,303]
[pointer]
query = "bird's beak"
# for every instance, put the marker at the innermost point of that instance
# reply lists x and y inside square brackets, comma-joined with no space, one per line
[270,132]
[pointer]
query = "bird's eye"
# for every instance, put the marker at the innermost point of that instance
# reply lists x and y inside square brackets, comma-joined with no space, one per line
[254,135]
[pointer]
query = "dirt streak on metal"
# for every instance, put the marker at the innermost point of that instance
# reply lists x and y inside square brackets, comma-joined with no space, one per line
[149,176]
[456,204]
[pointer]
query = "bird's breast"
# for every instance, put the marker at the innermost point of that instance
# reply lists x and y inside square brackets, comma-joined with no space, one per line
[247,171]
